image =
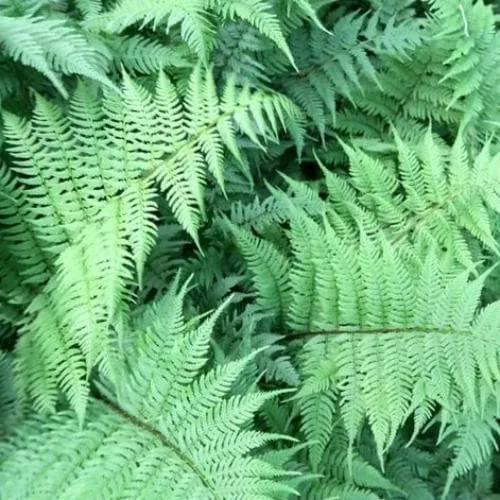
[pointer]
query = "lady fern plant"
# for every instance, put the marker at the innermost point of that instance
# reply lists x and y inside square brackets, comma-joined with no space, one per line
[102,224]
[249,249]
[389,309]
[165,428]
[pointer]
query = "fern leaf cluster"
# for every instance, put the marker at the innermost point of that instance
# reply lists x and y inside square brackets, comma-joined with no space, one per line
[249,249]
[396,328]
[103,223]
[162,406]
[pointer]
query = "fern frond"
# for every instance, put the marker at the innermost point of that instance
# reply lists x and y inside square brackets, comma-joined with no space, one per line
[195,27]
[355,469]
[91,195]
[330,175]
[238,47]
[316,402]
[452,77]
[332,65]
[257,13]
[473,442]
[188,434]
[52,46]
[140,218]
[18,234]
[440,193]
[195,20]
[255,115]
[270,269]
[401,324]
[47,357]
[89,8]
[139,54]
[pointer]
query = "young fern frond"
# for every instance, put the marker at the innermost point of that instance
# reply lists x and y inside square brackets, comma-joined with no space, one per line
[166,428]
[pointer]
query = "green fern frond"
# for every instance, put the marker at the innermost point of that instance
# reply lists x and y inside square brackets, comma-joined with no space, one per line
[255,115]
[183,427]
[140,223]
[47,357]
[354,469]
[52,46]
[474,58]
[194,20]
[332,65]
[473,442]
[316,401]
[258,13]
[440,192]
[393,36]
[191,16]
[71,319]
[270,269]
[103,222]
[18,234]
[139,54]
[401,326]
[238,47]
[452,77]
[47,199]
[385,376]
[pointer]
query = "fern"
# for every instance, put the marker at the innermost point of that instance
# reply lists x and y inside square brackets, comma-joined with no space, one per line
[325,172]
[139,54]
[451,78]
[116,201]
[162,406]
[270,268]
[194,22]
[332,65]
[51,46]
[472,445]
[399,331]
[435,193]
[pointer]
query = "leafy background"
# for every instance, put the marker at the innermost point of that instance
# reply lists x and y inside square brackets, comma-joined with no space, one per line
[249,249]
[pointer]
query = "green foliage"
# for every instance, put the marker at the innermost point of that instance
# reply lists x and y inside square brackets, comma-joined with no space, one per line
[323,175]
[401,334]
[164,415]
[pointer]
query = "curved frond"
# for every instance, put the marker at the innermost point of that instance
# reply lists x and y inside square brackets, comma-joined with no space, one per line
[172,430]
[52,46]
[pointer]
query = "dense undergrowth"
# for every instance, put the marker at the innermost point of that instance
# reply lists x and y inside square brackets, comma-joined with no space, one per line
[249,249]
